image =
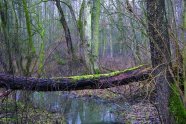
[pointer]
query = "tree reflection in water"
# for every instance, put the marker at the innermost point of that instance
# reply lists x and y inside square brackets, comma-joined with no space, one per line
[75,110]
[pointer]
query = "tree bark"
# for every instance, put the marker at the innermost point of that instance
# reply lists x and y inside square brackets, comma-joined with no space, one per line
[95,17]
[101,81]
[66,30]
[184,52]
[160,55]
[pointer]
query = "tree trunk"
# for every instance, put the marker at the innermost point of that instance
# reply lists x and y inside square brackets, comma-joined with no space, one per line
[160,55]
[95,17]
[31,48]
[101,81]
[66,30]
[85,31]
[184,52]
[89,33]
[4,26]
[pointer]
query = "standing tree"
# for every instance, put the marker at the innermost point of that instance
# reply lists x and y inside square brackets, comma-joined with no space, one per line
[88,25]
[31,48]
[184,53]
[160,55]
[84,27]
[66,30]
[5,31]
[95,35]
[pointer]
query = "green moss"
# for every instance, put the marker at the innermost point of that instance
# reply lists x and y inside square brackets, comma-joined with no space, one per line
[176,106]
[95,76]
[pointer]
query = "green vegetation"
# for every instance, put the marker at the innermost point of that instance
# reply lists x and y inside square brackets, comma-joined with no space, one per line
[94,76]
[177,107]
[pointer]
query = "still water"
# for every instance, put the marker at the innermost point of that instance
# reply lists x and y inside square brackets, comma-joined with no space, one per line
[82,110]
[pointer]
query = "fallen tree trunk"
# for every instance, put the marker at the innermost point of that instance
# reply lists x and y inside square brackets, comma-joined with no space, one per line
[100,81]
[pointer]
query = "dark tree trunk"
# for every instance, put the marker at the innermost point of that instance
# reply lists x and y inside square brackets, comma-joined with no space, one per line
[160,55]
[75,83]
[66,30]
[4,21]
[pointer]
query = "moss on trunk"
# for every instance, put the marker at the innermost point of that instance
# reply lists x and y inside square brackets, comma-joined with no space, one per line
[97,81]
[95,76]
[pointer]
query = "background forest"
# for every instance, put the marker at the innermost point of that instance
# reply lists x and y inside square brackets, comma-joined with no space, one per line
[60,38]
[43,38]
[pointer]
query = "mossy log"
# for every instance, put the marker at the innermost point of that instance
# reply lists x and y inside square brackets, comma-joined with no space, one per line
[98,81]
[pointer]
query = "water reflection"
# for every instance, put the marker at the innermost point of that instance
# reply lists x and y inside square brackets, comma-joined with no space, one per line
[75,110]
